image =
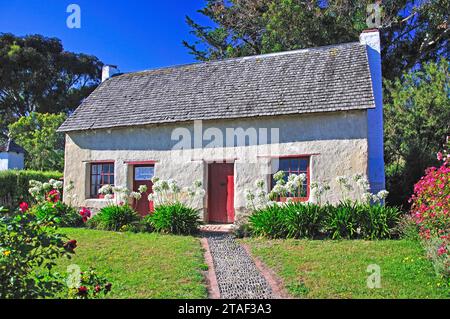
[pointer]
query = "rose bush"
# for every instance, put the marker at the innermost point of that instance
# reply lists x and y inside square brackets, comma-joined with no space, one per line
[431,211]
[29,248]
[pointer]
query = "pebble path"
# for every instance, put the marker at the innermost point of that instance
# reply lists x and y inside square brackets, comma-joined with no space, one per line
[236,273]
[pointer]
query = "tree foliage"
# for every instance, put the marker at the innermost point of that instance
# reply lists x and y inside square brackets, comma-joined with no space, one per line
[37,75]
[417,121]
[36,133]
[412,32]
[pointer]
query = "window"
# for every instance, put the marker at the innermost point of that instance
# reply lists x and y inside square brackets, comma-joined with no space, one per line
[101,174]
[295,165]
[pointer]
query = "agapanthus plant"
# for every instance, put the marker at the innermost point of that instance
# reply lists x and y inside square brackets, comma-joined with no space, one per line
[167,192]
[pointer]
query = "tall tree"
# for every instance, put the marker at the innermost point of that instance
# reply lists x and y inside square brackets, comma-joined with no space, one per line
[37,75]
[412,31]
[417,121]
[36,133]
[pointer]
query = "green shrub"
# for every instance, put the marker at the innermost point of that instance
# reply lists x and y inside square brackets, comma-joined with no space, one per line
[347,220]
[342,220]
[14,185]
[269,222]
[29,248]
[407,228]
[145,225]
[63,214]
[304,220]
[115,218]
[378,221]
[176,219]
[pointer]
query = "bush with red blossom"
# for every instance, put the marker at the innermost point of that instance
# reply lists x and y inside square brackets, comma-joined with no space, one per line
[90,286]
[85,214]
[53,196]
[431,211]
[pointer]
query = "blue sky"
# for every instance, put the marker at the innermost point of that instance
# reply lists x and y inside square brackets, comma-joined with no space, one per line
[133,34]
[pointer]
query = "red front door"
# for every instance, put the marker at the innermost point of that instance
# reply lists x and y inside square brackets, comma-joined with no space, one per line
[142,176]
[221,193]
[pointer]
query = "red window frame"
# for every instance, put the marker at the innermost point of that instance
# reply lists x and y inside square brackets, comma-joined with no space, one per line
[298,171]
[103,177]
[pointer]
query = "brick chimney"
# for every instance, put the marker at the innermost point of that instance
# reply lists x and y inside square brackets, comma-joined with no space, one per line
[108,71]
[371,38]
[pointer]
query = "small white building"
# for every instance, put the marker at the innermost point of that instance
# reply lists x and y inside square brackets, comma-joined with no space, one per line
[12,156]
[231,123]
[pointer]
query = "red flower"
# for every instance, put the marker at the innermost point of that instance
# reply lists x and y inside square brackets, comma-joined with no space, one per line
[85,213]
[53,196]
[23,207]
[97,289]
[82,290]
[70,246]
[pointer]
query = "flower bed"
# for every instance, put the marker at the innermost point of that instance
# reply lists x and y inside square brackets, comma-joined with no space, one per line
[431,211]
[366,218]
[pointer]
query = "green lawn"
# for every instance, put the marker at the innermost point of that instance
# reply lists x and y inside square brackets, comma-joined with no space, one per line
[141,265]
[337,269]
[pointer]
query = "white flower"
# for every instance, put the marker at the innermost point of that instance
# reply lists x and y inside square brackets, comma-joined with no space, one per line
[135,195]
[292,177]
[34,183]
[70,187]
[155,179]
[201,192]
[341,180]
[58,185]
[367,197]
[250,196]
[260,184]
[357,177]
[151,197]
[364,184]
[198,184]
[291,187]
[375,198]
[279,176]
[301,177]
[143,189]
[109,196]
[383,194]
[120,190]
[47,186]
[105,189]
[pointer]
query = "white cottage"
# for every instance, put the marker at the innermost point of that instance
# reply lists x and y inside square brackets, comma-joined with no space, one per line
[230,123]
[11,156]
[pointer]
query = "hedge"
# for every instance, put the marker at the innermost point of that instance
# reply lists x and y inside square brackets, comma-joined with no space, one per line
[14,185]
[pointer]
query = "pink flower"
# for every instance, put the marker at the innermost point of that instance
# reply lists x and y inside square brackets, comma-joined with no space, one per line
[53,196]
[442,250]
[23,207]
[440,156]
[85,214]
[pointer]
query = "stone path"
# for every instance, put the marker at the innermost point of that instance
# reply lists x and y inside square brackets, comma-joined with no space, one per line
[236,273]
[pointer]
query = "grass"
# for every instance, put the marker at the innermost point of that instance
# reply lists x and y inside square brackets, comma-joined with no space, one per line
[338,269]
[141,265]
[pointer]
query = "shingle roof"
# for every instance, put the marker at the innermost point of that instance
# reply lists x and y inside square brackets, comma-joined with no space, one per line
[333,78]
[10,146]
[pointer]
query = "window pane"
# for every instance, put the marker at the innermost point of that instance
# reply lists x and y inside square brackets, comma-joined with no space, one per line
[284,165]
[294,165]
[304,164]
[105,168]
[112,180]
[94,168]
[144,173]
